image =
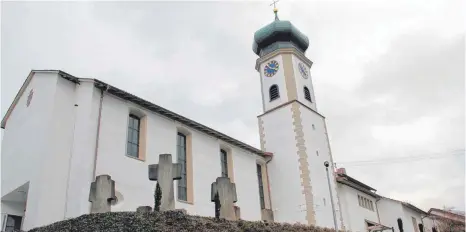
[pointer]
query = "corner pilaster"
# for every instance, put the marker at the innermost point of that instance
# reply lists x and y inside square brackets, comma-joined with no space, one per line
[303,163]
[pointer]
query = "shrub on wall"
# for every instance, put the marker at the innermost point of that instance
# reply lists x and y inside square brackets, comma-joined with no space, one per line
[167,221]
[157,197]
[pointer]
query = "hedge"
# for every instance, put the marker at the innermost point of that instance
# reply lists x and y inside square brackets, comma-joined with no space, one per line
[176,221]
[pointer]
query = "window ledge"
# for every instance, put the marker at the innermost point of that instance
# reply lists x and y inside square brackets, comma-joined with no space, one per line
[136,158]
[185,202]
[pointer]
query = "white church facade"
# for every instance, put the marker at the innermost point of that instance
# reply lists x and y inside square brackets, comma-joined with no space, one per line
[79,128]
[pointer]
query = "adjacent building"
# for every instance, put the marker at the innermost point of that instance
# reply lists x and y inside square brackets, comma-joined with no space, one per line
[447,220]
[359,204]
[365,210]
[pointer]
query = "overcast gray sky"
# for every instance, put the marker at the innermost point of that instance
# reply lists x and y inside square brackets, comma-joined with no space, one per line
[388,74]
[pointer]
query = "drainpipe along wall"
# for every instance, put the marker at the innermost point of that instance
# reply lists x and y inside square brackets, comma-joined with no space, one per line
[377,208]
[268,182]
[102,91]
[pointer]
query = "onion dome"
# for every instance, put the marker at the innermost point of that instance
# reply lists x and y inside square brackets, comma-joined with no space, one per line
[279,34]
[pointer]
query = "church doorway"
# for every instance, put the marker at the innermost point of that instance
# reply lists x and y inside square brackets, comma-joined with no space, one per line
[12,223]
[376,227]
[13,208]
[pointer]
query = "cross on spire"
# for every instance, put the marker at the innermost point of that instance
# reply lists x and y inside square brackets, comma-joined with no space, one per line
[275,10]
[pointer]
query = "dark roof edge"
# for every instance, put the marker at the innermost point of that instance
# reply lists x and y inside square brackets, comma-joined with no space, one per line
[23,88]
[174,116]
[139,101]
[288,103]
[408,205]
[357,187]
[357,182]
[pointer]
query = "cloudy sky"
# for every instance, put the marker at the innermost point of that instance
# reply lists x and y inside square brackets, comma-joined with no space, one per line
[388,74]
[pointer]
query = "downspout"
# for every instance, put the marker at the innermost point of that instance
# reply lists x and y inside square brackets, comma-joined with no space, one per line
[334,178]
[97,136]
[69,162]
[98,131]
[422,221]
[268,181]
[377,208]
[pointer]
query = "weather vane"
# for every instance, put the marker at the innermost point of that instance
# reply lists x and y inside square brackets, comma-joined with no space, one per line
[275,10]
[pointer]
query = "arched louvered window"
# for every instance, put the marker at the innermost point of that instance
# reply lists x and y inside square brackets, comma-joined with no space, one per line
[307,94]
[274,93]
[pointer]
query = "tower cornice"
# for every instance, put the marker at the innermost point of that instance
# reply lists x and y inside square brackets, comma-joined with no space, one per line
[288,103]
[293,51]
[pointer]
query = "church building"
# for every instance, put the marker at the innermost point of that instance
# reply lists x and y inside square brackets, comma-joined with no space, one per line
[79,128]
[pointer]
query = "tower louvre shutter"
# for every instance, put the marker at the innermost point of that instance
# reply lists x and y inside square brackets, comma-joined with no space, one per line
[274,92]
[307,94]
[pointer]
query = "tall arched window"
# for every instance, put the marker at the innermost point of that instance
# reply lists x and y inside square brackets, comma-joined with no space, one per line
[181,150]
[274,92]
[224,162]
[307,94]
[132,143]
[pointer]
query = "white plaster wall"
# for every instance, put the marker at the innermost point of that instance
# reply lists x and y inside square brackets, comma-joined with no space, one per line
[301,82]
[25,144]
[83,149]
[247,184]
[285,183]
[131,175]
[344,207]
[356,215]
[13,208]
[408,221]
[389,212]
[428,224]
[55,169]
[267,82]
[316,141]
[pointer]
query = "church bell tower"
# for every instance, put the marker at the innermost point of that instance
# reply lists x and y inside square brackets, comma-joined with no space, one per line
[293,130]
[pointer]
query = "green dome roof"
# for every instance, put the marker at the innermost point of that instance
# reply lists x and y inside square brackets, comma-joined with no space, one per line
[278,34]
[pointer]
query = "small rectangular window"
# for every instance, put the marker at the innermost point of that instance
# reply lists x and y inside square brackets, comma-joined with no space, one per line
[224,162]
[261,186]
[132,145]
[366,203]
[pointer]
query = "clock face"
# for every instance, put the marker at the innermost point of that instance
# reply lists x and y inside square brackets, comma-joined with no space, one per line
[303,70]
[271,68]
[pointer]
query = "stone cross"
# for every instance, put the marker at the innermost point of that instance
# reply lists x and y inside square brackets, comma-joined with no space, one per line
[225,192]
[101,194]
[164,173]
